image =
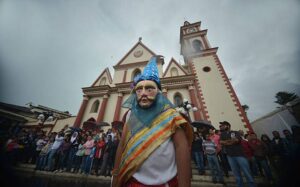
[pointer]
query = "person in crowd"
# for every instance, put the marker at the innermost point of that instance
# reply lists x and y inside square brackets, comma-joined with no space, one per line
[43,156]
[115,144]
[106,163]
[197,153]
[11,150]
[57,143]
[215,138]
[89,161]
[248,153]
[25,144]
[260,153]
[222,153]
[32,156]
[79,156]
[268,144]
[210,150]
[100,146]
[154,132]
[88,146]
[231,142]
[279,150]
[72,154]
[41,142]
[109,132]
[62,154]
[289,141]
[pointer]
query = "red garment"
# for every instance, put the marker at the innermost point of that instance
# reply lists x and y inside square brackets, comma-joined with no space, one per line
[132,182]
[99,149]
[11,146]
[258,147]
[247,149]
[216,139]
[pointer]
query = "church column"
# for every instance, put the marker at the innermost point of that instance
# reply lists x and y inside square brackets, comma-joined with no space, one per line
[165,92]
[118,107]
[81,112]
[194,101]
[102,108]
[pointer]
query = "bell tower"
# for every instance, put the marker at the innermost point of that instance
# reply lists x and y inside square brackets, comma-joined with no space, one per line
[215,93]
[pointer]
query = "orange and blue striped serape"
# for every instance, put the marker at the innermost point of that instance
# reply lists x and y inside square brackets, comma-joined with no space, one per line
[139,146]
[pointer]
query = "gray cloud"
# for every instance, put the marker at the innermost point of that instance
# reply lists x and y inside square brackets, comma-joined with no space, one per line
[49,50]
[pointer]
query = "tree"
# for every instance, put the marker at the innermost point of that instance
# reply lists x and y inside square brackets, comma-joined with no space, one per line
[245,108]
[285,97]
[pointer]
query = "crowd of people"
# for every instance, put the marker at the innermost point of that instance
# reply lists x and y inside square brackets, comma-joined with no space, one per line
[225,150]
[92,152]
[70,150]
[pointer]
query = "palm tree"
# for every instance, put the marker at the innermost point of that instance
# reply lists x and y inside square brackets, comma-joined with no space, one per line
[285,97]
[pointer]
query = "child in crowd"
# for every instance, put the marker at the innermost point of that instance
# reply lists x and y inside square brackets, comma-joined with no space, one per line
[210,149]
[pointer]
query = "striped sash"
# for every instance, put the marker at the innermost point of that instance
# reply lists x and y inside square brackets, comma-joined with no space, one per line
[140,146]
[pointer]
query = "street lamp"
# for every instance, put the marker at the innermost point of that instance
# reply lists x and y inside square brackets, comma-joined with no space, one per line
[185,108]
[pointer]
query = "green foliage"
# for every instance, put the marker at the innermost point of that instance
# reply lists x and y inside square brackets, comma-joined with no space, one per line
[245,107]
[284,97]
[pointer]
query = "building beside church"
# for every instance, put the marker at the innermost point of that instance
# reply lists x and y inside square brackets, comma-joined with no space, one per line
[14,118]
[201,79]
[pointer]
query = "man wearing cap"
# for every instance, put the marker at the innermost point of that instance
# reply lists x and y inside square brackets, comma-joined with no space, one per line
[155,145]
[231,142]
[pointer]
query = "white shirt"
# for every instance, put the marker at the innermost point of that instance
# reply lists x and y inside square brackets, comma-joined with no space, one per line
[58,141]
[160,167]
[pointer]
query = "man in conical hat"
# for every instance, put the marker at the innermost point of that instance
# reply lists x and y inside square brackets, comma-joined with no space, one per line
[155,146]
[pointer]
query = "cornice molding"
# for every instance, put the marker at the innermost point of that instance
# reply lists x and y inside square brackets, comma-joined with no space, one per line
[206,52]
[192,35]
[125,88]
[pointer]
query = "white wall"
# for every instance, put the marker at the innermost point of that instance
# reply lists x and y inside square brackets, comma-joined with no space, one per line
[219,103]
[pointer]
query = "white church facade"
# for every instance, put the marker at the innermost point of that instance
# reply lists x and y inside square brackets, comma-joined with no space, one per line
[201,79]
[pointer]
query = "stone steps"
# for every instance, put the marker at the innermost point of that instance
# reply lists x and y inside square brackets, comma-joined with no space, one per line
[197,180]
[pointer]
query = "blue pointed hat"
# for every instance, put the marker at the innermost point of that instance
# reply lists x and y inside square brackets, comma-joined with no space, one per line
[150,73]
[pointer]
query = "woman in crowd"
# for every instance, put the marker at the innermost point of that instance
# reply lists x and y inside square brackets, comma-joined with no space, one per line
[62,153]
[43,156]
[78,156]
[100,146]
[88,146]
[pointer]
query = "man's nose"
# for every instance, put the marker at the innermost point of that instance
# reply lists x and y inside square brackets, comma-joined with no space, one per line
[143,92]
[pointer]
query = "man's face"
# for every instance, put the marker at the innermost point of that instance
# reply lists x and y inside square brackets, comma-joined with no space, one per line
[276,134]
[224,127]
[146,92]
[286,133]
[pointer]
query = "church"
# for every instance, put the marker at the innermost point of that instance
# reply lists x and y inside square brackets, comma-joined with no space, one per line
[201,80]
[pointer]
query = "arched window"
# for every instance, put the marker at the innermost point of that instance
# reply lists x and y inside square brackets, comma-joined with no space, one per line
[135,73]
[174,72]
[95,107]
[103,81]
[197,45]
[178,99]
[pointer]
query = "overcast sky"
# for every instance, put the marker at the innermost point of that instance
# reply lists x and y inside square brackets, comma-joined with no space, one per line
[49,50]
